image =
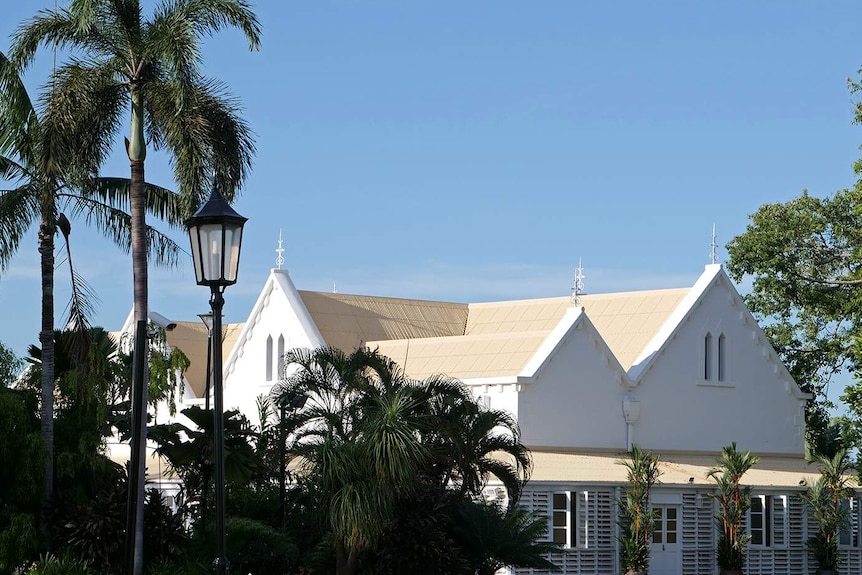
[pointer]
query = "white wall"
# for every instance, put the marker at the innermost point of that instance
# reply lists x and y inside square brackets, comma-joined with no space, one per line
[274,314]
[757,405]
[576,400]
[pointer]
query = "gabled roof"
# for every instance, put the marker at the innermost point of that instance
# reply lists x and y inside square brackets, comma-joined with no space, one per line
[505,339]
[281,279]
[501,338]
[347,321]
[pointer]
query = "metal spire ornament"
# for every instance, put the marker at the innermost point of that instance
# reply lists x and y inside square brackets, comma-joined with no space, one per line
[578,284]
[713,246]
[279,260]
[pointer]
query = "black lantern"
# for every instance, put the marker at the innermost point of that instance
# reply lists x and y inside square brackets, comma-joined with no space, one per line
[216,236]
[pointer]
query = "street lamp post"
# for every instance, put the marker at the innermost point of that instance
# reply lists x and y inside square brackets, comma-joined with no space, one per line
[216,237]
[207,318]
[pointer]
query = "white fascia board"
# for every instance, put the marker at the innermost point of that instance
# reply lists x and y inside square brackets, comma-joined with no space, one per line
[673,323]
[282,278]
[574,318]
[503,380]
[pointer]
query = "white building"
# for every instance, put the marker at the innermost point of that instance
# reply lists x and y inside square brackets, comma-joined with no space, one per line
[680,372]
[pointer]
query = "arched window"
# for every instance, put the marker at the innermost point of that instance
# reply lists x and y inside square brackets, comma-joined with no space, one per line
[707,357]
[722,358]
[269,358]
[280,357]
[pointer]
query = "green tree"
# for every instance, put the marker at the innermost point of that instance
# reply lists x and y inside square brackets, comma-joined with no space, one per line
[734,501]
[10,366]
[373,442]
[49,166]
[189,451]
[22,459]
[150,66]
[470,444]
[805,259]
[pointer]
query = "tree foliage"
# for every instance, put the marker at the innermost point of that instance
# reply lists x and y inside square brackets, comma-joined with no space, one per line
[383,454]
[805,259]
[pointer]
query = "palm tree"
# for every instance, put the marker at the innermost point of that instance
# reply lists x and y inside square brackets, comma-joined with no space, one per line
[472,444]
[826,498]
[150,66]
[734,500]
[635,514]
[48,164]
[359,436]
[373,440]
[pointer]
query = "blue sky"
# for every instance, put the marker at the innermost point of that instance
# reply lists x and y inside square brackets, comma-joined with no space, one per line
[476,150]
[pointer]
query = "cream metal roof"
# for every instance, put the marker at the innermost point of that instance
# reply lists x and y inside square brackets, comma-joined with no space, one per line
[467,341]
[347,321]
[190,337]
[628,321]
[501,337]
[464,357]
[676,469]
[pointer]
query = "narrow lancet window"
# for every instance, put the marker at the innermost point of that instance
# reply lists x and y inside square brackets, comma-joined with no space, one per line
[722,358]
[269,358]
[707,357]
[279,359]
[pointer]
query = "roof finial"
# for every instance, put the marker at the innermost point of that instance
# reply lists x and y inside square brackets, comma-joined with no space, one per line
[578,283]
[279,261]
[713,245]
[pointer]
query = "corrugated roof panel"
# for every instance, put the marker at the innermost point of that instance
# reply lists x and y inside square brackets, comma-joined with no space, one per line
[771,471]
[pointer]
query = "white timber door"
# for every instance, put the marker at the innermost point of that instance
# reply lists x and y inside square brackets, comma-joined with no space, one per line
[666,549]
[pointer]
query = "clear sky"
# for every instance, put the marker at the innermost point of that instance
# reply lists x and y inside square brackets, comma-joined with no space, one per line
[474,151]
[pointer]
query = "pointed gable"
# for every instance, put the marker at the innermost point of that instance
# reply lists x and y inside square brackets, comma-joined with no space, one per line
[278,310]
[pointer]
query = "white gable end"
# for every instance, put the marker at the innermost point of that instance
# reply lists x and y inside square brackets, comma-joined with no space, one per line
[278,322]
[716,379]
[578,386]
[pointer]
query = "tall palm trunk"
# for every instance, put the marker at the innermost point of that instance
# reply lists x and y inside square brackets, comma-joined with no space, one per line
[138,207]
[47,226]
[346,560]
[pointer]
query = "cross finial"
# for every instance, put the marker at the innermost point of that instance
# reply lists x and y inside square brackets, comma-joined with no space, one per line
[713,245]
[279,261]
[578,283]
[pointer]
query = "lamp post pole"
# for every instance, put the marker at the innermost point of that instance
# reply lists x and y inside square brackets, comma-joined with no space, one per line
[215,232]
[217,303]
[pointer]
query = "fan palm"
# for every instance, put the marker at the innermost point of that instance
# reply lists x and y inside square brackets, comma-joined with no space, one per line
[49,165]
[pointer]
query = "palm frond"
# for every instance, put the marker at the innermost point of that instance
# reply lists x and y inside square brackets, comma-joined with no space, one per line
[61,28]
[115,224]
[83,110]
[19,209]
[208,137]
[210,16]
[18,120]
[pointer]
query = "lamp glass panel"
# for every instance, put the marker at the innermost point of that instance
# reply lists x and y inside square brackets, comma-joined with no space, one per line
[233,238]
[196,252]
[211,240]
